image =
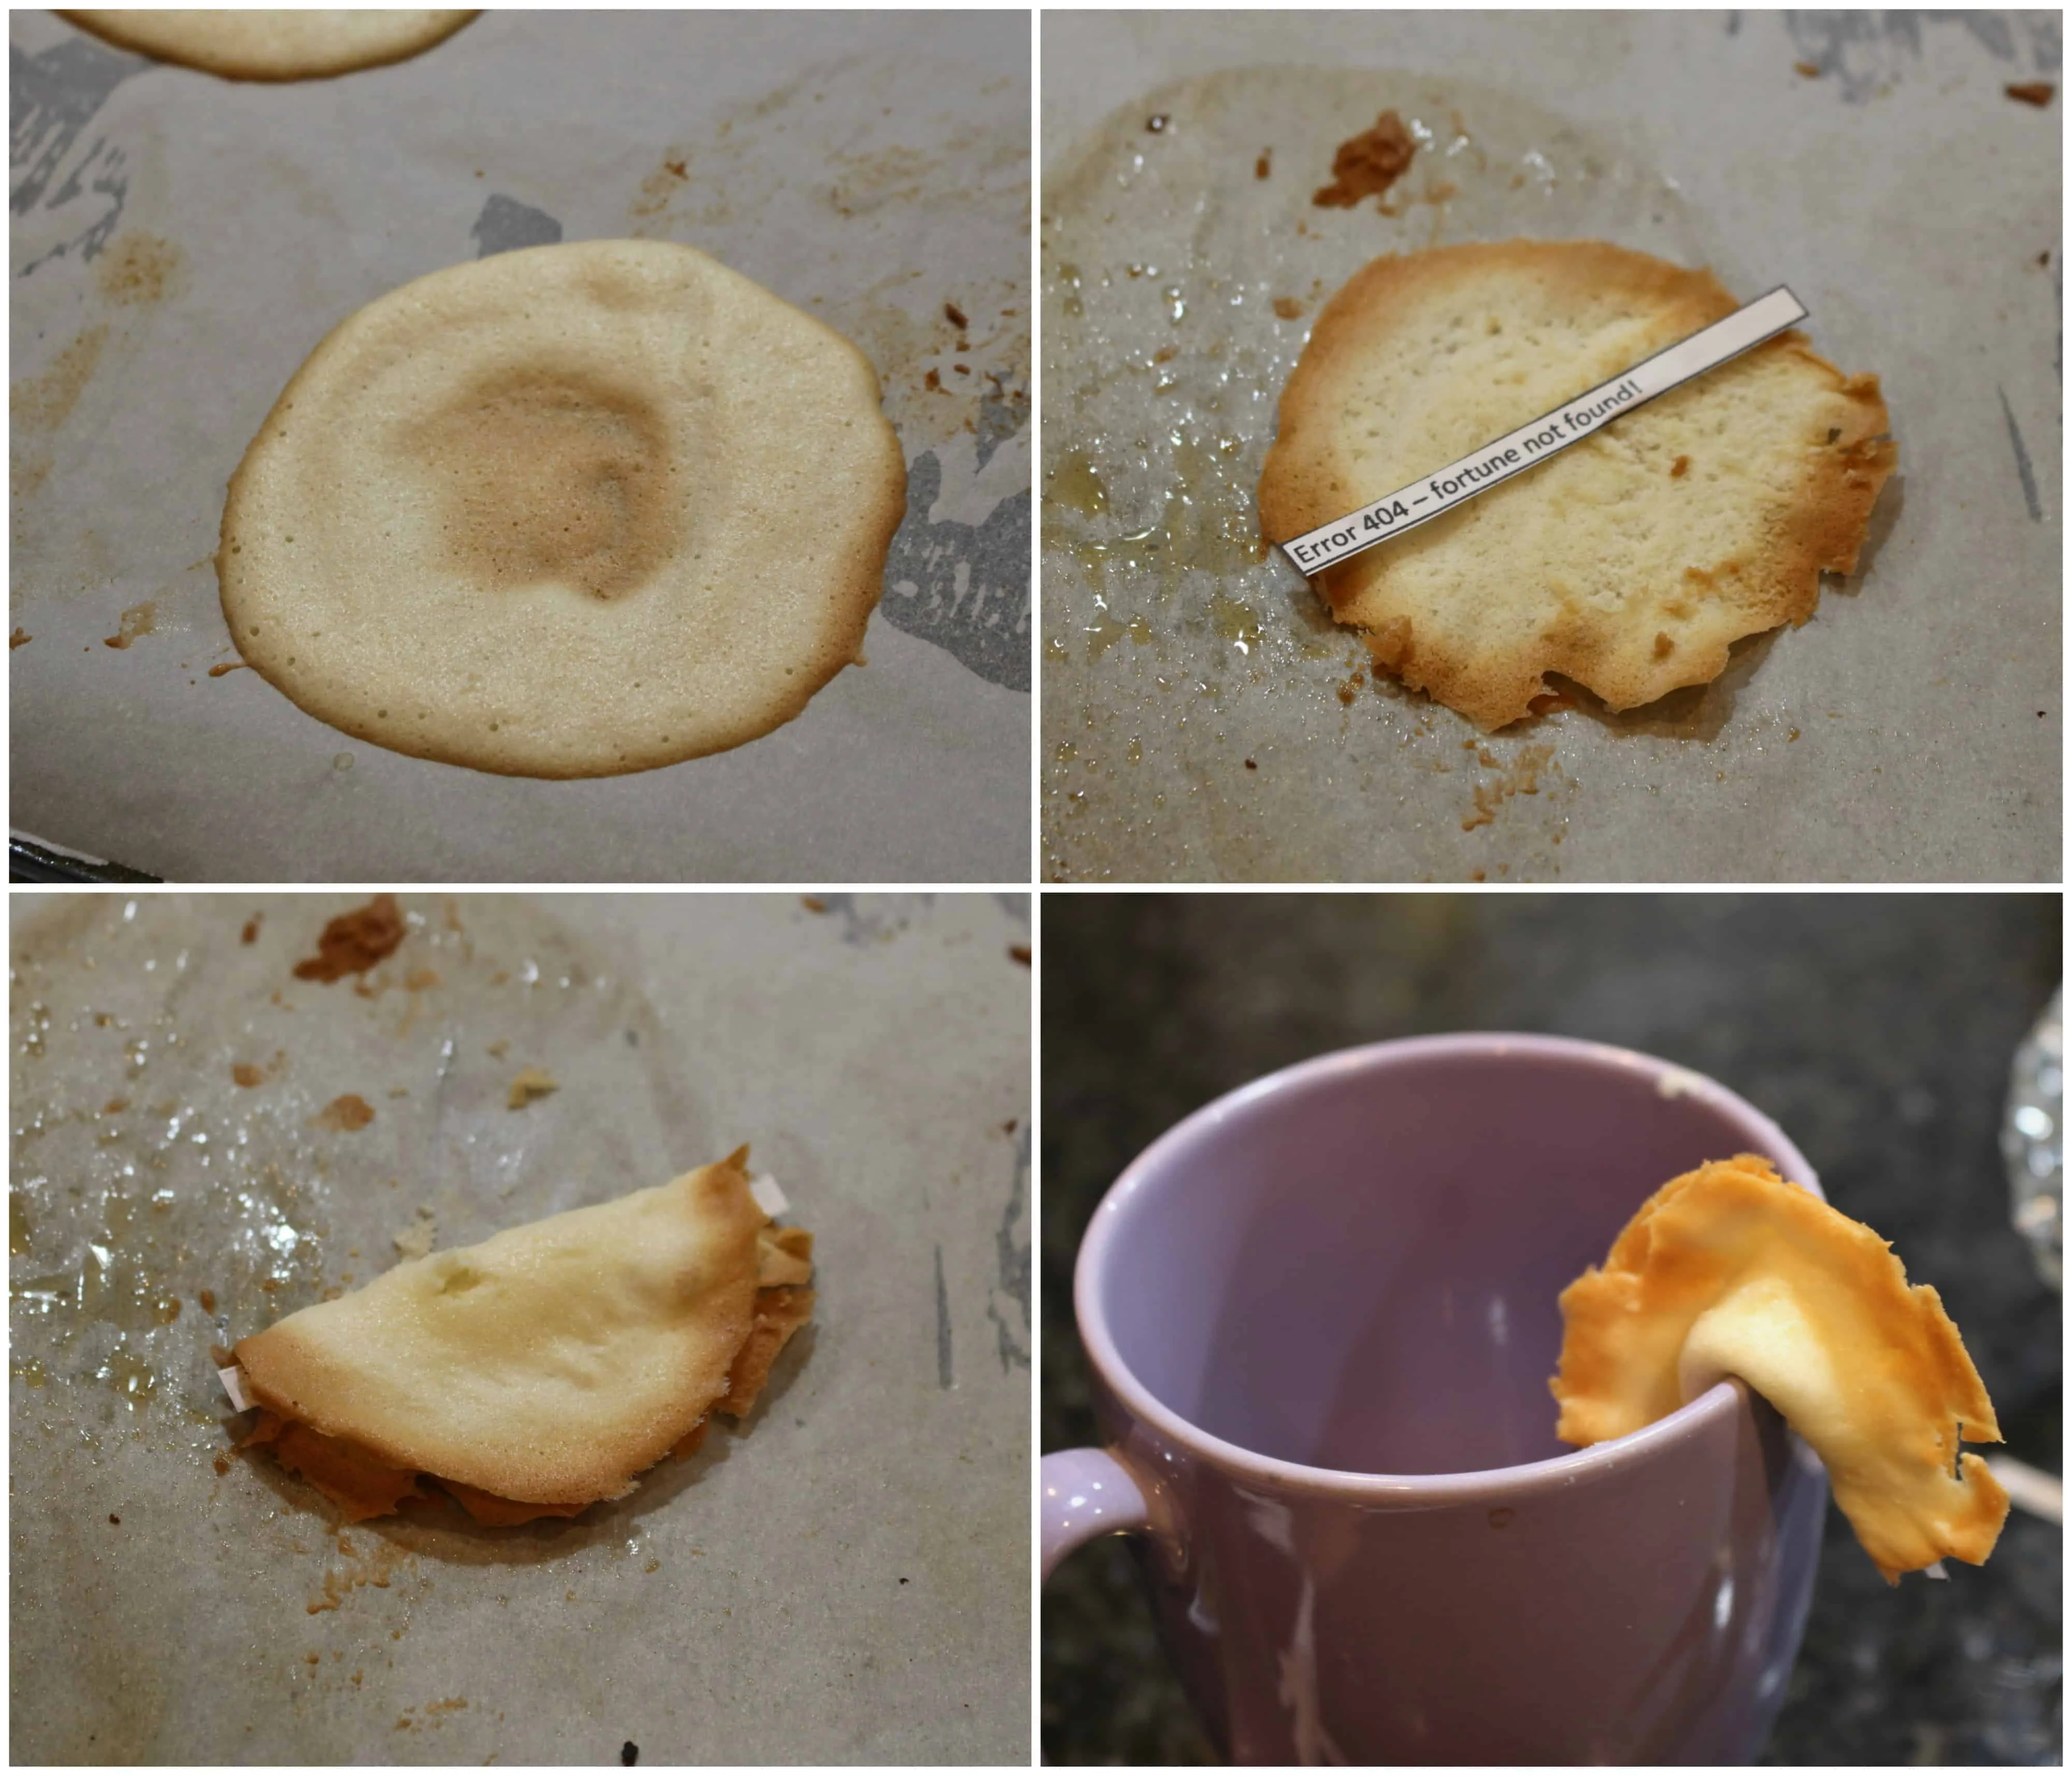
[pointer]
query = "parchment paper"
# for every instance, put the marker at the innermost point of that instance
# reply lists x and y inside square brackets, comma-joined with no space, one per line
[844,1579]
[1201,718]
[181,242]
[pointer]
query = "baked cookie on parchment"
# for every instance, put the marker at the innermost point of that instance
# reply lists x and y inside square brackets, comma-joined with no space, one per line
[566,512]
[273,44]
[1630,562]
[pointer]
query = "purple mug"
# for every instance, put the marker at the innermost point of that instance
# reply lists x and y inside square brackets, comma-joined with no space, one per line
[1322,1314]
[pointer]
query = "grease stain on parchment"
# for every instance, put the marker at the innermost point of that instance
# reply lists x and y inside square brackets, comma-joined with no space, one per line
[138,270]
[39,405]
[137,621]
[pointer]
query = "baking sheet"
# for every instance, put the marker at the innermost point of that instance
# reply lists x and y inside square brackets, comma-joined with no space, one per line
[844,1579]
[1201,718]
[180,243]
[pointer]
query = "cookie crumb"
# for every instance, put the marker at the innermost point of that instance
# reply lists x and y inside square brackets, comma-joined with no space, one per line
[534,1081]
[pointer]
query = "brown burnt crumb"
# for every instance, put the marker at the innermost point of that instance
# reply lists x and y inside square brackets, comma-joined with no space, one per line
[659,187]
[1157,125]
[221,1464]
[113,1518]
[933,380]
[1287,308]
[1010,1125]
[1263,167]
[1478,875]
[1681,467]
[227,666]
[629,1753]
[207,1297]
[961,369]
[1021,953]
[22,638]
[245,1074]
[354,942]
[1367,164]
[344,1114]
[2036,92]
[532,1083]
[250,934]
[812,903]
[1165,354]
[1522,778]
[1251,764]
[1807,68]
[956,316]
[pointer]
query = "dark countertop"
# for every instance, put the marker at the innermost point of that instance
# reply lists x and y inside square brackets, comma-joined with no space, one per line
[1876,1030]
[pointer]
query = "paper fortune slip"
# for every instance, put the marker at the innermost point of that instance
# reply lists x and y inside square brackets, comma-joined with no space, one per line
[1536,440]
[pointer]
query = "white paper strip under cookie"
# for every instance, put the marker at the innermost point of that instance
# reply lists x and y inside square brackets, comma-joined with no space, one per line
[233,1384]
[1426,498]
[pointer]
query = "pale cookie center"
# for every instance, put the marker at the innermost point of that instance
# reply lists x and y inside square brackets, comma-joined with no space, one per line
[558,479]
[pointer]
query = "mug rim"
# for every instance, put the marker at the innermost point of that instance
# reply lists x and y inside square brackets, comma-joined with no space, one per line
[1595,1461]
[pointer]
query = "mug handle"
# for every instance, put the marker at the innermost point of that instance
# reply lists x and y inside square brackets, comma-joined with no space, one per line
[1087,1493]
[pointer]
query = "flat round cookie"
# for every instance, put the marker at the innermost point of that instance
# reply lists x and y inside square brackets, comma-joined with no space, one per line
[564,512]
[274,45]
[1630,562]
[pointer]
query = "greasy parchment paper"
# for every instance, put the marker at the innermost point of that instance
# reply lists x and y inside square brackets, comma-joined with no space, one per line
[180,244]
[1203,719]
[844,1579]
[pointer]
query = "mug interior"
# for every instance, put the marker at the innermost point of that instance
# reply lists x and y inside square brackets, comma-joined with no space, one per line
[1355,1265]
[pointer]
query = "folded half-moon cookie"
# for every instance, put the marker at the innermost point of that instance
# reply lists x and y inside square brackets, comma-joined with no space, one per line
[543,1370]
